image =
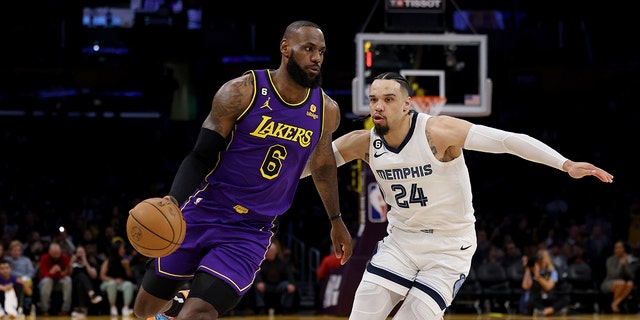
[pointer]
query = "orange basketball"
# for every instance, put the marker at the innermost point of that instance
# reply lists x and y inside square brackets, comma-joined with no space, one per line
[156,227]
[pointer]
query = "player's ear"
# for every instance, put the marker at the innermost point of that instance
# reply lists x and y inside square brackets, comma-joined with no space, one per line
[407,104]
[284,47]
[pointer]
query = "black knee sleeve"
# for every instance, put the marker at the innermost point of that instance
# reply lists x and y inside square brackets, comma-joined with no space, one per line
[216,292]
[158,286]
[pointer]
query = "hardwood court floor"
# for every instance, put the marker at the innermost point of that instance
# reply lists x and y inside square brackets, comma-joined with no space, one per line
[492,316]
[454,317]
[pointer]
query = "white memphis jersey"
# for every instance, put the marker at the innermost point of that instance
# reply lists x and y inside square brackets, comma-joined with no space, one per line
[425,194]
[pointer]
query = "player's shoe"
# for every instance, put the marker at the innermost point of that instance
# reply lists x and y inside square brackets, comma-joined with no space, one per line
[176,306]
[160,316]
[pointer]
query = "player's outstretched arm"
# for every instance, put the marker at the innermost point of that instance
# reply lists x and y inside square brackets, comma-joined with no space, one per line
[578,170]
[486,139]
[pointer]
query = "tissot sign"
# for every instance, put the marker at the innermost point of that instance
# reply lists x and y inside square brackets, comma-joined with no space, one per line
[433,6]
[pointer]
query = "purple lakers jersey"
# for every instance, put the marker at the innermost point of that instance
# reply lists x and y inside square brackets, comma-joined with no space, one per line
[259,171]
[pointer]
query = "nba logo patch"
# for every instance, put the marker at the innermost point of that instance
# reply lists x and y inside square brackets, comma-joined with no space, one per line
[377,205]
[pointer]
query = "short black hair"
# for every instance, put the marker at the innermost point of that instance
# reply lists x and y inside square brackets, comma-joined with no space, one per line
[296,25]
[404,83]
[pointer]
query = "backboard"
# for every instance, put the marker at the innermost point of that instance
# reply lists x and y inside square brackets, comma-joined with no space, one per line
[447,65]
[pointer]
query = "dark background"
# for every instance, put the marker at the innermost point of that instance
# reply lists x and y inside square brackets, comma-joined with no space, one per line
[565,73]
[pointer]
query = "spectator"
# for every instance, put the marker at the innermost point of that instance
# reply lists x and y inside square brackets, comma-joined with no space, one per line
[66,241]
[34,248]
[11,289]
[84,276]
[8,227]
[539,282]
[107,238]
[522,235]
[558,258]
[577,254]
[328,264]
[287,257]
[596,249]
[115,274]
[484,246]
[21,267]
[29,224]
[574,237]
[89,239]
[54,274]
[138,267]
[91,247]
[275,278]
[512,254]
[619,277]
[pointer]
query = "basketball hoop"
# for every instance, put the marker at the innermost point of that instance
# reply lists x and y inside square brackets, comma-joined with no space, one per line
[432,105]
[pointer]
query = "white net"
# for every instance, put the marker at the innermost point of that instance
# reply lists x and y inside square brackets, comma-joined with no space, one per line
[432,105]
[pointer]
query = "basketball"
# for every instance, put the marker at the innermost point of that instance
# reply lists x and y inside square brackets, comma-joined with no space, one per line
[156,227]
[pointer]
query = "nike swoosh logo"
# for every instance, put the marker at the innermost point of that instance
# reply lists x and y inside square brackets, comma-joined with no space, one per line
[375,155]
[464,248]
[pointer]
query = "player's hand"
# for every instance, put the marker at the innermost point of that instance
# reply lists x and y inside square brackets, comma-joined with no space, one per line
[172,199]
[341,239]
[578,170]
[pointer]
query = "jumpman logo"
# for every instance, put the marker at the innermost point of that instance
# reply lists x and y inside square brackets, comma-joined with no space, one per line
[266,104]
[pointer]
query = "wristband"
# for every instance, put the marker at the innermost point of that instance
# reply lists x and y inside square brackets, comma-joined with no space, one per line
[336,217]
[174,200]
